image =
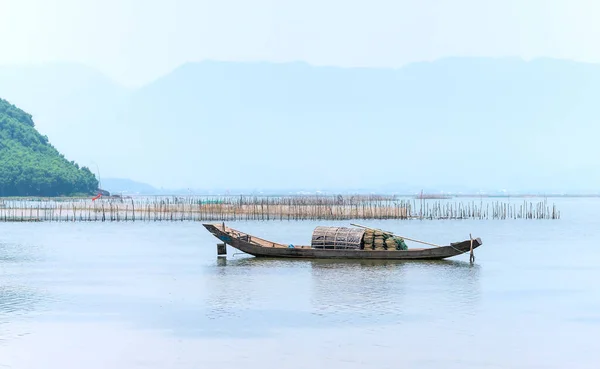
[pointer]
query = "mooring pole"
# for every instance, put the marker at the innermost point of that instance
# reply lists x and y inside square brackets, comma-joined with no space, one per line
[221,249]
[472,256]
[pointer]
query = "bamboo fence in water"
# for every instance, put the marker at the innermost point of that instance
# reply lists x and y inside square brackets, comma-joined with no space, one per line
[266,208]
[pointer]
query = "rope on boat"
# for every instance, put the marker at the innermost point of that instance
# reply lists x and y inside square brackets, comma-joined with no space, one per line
[406,238]
[460,251]
[472,256]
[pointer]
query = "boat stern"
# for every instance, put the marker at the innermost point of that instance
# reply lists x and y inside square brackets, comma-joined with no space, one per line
[465,246]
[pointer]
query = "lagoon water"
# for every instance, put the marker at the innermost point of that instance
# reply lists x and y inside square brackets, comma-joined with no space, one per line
[155,295]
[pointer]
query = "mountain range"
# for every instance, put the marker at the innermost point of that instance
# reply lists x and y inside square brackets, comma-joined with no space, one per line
[472,123]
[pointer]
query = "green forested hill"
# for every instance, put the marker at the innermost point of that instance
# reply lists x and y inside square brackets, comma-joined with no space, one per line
[30,165]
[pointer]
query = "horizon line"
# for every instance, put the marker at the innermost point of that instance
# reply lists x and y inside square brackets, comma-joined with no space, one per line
[158,76]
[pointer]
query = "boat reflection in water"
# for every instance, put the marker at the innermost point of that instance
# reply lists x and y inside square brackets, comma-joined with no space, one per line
[349,292]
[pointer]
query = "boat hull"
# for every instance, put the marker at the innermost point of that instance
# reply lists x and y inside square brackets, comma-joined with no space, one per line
[260,248]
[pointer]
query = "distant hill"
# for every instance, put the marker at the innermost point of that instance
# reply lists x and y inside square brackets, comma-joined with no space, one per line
[128,187]
[480,123]
[30,165]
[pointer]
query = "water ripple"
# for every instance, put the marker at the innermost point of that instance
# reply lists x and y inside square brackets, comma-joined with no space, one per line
[19,300]
[19,253]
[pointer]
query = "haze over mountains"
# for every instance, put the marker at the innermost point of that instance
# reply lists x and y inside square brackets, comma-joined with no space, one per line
[454,124]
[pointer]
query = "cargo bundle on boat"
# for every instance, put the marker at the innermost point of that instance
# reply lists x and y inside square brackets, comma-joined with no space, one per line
[338,238]
[375,239]
[344,238]
[341,243]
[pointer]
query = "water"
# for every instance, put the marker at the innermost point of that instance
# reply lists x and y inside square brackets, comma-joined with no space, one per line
[154,295]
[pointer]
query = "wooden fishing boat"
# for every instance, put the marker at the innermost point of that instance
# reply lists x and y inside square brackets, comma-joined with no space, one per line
[341,246]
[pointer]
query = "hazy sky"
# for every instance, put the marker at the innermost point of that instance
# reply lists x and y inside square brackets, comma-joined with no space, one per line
[135,41]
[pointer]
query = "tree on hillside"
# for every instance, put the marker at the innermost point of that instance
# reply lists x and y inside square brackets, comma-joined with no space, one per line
[30,165]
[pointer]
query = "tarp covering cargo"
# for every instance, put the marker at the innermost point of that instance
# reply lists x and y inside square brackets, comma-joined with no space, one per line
[337,238]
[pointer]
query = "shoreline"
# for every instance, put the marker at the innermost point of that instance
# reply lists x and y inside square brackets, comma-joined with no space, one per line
[383,195]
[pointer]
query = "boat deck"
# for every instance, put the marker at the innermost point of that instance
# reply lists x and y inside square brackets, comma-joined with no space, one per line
[234,233]
[255,240]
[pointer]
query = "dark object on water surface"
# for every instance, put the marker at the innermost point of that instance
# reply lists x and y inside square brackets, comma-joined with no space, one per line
[263,248]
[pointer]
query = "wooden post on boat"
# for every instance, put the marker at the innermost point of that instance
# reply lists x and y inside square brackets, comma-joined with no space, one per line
[472,256]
